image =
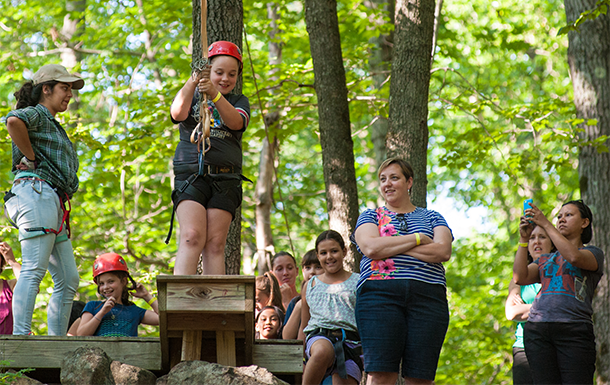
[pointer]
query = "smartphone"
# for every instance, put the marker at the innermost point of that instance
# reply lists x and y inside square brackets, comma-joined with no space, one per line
[526,204]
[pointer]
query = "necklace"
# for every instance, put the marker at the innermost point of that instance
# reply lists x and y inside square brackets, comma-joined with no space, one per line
[114,314]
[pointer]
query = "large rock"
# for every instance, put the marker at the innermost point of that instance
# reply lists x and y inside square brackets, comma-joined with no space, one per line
[87,366]
[131,375]
[201,372]
[21,379]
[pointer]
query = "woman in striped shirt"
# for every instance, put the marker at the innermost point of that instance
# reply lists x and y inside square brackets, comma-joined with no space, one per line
[401,307]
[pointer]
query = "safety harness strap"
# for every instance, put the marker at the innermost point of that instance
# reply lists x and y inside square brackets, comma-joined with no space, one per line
[187,186]
[343,352]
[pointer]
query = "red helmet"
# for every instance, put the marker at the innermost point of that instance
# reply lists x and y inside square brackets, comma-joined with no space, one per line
[109,262]
[226,48]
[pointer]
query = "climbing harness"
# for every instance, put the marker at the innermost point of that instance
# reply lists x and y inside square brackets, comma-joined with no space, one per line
[343,352]
[64,200]
[217,177]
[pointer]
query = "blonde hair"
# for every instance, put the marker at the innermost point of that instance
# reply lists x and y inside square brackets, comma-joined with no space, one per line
[405,167]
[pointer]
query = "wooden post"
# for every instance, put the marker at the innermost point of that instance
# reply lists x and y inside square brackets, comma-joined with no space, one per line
[225,348]
[191,345]
[192,306]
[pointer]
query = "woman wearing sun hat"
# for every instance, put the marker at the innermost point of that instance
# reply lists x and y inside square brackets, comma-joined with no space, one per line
[45,165]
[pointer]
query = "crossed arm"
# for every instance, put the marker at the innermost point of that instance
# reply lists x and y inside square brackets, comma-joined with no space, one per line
[431,250]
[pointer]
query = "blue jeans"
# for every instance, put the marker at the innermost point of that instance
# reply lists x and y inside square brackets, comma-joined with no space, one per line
[402,319]
[36,204]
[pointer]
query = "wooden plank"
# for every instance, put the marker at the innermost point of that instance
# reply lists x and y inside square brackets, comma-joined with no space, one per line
[191,345]
[225,348]
[279,356]
[249,322]
[206,297]
[222,305]
[49,351]
[163,337]
[205,321]
[242,279]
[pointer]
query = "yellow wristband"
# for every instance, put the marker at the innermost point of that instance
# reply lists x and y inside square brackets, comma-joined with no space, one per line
[523,244]
[217,98]
[153,299]
[417,239]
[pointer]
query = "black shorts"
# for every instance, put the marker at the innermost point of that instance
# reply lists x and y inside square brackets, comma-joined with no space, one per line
[217,192]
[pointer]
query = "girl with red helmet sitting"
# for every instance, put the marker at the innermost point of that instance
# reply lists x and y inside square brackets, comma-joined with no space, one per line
[206,196]
[117,316]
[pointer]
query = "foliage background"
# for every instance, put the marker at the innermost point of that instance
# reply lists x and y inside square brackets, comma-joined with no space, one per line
[502,129]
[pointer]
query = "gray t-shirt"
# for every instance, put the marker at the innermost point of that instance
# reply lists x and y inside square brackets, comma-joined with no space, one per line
[567,291]
[225,143]
[332,306]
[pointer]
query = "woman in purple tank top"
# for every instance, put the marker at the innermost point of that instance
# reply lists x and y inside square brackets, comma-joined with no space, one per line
[6,289]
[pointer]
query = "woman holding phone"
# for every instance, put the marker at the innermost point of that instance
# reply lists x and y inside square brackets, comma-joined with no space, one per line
[558,336]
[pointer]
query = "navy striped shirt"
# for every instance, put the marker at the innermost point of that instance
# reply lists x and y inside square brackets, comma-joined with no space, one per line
[401,266]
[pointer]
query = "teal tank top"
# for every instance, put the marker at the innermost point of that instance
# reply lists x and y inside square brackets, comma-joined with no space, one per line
[528,294]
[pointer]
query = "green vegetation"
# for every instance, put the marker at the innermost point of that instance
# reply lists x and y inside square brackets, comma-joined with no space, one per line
[502,128]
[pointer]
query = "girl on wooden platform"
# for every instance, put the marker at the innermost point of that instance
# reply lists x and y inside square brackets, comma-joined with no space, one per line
[117,316]
[207,195]
[328,322]
[6,288]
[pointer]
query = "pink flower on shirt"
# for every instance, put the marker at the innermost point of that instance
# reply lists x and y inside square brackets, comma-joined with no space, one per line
[382,269]
[387,231]
[387,266]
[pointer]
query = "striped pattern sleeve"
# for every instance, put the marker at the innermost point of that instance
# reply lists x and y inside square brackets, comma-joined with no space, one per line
[242,105]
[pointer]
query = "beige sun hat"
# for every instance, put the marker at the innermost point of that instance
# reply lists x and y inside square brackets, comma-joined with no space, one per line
[58,73]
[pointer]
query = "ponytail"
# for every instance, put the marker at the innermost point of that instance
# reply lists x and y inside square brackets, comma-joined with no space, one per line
[29,94]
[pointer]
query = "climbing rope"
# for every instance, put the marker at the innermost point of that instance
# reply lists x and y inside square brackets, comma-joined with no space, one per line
[201,132]
[277,178]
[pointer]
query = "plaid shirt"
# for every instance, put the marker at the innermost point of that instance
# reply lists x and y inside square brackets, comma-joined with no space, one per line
[57,159]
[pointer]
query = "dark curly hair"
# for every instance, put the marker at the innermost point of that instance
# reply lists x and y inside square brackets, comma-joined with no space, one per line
[30,94]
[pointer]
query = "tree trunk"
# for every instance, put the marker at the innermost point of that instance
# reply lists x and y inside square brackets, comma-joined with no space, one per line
[225,22]
[333,111]
[71,31]
[264,201]
[380,60]
[408,132]
[589,60]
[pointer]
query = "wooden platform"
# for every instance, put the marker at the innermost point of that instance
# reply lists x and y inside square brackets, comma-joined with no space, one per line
[279,356]
[48,351]
[206,317]
[45,353]
[209,318]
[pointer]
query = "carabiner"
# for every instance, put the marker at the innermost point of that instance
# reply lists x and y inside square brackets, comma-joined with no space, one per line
[39,191]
